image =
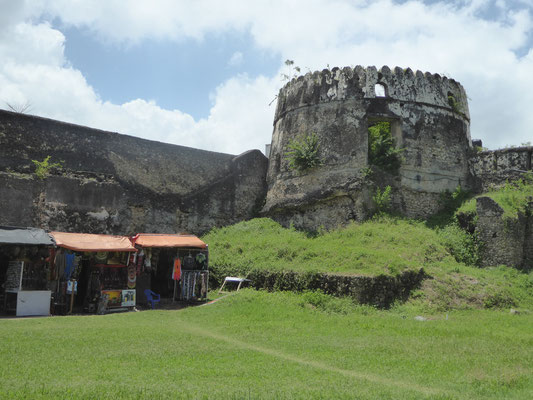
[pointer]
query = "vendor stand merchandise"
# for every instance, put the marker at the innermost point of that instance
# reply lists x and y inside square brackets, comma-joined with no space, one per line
[101,267]
[61,273]
[174,266]
[24,270]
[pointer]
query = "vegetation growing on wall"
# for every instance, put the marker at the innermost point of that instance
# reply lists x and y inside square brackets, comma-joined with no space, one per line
[43,168]
[454,104]
[449,203]
[303,153]
[382,200]
[382,151]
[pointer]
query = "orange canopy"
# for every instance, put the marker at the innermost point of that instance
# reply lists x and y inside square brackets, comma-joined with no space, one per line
[166,240]
[92,242]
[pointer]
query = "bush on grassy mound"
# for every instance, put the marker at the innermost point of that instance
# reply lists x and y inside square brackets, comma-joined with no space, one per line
[367,262]
[383,246]
[380,291]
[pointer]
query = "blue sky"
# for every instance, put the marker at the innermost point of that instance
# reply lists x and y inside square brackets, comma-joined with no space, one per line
[177,75]
[203,73]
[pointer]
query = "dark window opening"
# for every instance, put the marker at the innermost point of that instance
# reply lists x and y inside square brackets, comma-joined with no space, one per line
[382,150]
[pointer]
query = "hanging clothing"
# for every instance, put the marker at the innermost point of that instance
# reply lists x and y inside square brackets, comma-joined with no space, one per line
[176,271]
[193,285]
[188,262]
[132,276]
[69,265]
[200,260]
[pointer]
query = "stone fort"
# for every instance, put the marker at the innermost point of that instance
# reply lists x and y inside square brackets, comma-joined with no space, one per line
[114,183]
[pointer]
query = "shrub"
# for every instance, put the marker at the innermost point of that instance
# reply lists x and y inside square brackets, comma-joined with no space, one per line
[463,246]
[449,203]
[381,148]
[454,104]
[42,168]
[303,153]
[382,200]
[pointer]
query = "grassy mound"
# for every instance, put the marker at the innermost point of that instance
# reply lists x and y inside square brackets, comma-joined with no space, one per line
[382,247]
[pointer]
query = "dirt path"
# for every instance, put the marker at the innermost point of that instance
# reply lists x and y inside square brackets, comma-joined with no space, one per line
[377,379]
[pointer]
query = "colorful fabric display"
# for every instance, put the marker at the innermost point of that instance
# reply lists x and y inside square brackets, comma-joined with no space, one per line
[176,271]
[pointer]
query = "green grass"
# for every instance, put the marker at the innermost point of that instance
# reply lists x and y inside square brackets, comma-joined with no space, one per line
[512,197]
[381,246]
[256,345]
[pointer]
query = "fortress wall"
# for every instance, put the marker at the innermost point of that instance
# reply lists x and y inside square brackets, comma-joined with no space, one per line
[506,241]
[495,167]
[338,106]
[155,166]
[113,183]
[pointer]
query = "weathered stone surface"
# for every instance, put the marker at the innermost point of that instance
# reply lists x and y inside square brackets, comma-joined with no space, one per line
[490,168]
[504,239]
[338,106]
[114,183]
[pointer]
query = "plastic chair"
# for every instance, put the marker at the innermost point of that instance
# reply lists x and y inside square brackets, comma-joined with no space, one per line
[240,281]
[152,297]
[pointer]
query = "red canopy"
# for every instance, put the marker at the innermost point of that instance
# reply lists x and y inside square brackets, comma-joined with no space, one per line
[166,240]
[92,242]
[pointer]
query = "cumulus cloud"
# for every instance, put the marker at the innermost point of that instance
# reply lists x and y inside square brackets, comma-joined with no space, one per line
[491,57]
[34,70]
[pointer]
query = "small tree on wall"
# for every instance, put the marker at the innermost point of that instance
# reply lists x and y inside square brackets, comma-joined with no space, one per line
[382,151]
[303,153]
[42,168]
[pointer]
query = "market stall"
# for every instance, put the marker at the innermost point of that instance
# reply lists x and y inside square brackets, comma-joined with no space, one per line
[95,272]
[24,271]
[172,265]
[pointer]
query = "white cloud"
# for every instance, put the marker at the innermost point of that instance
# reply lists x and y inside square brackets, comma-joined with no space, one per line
[240,118]
[442,37]
[236,59]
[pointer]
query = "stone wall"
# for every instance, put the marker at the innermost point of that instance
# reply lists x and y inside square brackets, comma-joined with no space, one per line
[506,241]
[490,168]
[338,106]
[113,183]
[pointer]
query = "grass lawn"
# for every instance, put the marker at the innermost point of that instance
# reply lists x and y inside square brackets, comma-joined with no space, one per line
[270,345]
[385,246]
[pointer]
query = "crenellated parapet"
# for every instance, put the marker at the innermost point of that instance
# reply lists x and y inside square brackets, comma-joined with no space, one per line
[401,85]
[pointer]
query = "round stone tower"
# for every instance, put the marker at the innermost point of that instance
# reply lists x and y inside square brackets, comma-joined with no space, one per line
[428,118]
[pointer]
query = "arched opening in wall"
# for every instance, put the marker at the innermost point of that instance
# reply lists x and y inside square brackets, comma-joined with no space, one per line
[380,90]
[383,149]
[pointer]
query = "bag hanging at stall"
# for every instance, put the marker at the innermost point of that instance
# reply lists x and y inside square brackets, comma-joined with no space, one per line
[140,262]
[176,271]
[132,276]
[200,260]
[188,262]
